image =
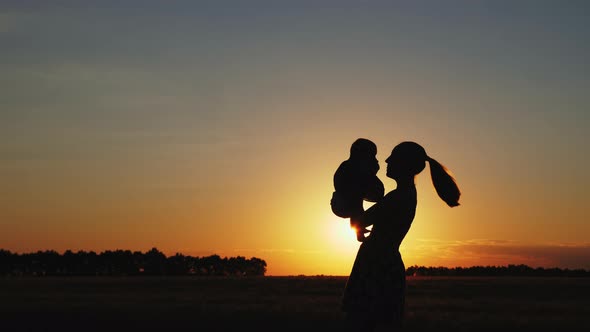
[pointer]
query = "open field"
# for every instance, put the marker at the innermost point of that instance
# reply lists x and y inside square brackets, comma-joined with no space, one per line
[284,304]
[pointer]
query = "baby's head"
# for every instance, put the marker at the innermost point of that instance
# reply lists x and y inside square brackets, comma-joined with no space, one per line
[365,150]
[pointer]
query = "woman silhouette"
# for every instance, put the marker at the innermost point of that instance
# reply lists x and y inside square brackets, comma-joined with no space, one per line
[374,295]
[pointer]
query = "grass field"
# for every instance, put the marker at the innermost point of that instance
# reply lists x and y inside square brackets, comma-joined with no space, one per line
[284,304]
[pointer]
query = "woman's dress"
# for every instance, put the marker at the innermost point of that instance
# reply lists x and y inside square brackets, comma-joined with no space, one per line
[375,289]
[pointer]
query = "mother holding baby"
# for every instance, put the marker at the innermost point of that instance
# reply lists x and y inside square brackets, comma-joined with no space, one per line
[374,295]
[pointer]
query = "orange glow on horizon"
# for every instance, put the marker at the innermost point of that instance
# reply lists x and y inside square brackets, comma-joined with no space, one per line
[224,139]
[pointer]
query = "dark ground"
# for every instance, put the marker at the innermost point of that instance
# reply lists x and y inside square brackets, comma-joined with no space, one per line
[285,304]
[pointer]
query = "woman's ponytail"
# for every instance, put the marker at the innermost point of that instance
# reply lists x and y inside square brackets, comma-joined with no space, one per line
[444,183]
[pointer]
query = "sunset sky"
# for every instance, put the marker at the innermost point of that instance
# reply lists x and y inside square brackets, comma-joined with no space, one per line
[215,127]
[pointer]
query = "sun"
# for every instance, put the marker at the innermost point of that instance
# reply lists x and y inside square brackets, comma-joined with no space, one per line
[344,230]
[341,236]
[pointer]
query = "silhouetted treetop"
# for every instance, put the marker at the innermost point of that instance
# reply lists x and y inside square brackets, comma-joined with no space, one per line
[496,271]
[125,262]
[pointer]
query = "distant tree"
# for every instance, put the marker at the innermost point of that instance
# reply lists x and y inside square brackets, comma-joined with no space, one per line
[213,265]
[155,262]
[177,265]
[5,262]
[257,267]
[507,271]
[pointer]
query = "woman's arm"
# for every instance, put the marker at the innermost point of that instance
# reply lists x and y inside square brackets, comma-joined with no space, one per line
[379,211]
[374,190]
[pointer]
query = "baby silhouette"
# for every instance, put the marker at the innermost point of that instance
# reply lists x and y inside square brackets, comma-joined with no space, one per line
[356,181]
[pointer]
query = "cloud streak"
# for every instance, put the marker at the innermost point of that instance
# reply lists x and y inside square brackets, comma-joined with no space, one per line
[498,252]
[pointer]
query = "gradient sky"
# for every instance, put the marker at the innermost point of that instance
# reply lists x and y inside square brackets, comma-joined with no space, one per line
[214,127]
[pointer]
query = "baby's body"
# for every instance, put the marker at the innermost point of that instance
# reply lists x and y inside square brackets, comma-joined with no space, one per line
[356,181]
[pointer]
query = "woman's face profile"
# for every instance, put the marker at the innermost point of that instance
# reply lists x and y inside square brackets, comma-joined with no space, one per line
[406,159]
[391,169]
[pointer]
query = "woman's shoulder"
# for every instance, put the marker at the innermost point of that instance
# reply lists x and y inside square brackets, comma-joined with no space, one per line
[384,209]
[399,195]
[389,200]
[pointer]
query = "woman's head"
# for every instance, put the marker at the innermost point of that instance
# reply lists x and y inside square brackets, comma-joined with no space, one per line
[406,159]
[409,159]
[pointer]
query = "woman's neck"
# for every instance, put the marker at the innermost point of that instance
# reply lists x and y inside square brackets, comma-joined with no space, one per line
[405,183]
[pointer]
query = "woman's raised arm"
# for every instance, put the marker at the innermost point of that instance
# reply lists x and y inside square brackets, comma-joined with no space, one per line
[379,211]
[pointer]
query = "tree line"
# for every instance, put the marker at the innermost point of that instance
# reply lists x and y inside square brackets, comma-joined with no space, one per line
[125,263]
[496,271]
[154,262]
